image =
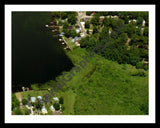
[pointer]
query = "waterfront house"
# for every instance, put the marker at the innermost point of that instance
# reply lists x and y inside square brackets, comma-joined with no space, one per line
[56,99]
[33,99]
[43,109]
[52,108]
[70,27]
[39,97]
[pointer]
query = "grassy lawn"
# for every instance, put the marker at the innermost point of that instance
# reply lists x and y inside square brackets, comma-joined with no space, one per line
[69,99]
[70,44]
[33,93]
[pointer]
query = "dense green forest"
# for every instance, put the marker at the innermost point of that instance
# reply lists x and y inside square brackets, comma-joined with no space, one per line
[127,41]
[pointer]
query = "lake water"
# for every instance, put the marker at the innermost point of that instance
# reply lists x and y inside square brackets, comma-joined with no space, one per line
[37,55]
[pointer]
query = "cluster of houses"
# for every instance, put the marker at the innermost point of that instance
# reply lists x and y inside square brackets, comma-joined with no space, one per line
[43,109]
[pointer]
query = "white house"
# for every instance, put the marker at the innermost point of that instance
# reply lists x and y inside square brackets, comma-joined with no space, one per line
[52,108]
[39,97]
[83,23]
[143,23]
[56,99]
[33,99]
[44,110]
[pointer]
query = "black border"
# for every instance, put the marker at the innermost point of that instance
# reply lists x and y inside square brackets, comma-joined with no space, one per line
[2,121]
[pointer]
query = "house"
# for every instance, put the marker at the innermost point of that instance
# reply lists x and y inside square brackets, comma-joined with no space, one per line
[75,39]
[56,99]
[110,32]
[46,25]
[33,99]
[23,89]
[43,109]
[70,27]
[39,97]
[143,23]
[83,23]
[87,19]
[52,108]
[77,28]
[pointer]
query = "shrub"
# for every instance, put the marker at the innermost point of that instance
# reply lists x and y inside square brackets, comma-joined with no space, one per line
[139,65]
[56,106]
[17,111]
[61,100]
[24,101]
[146,67]
[15,102]
[63,107]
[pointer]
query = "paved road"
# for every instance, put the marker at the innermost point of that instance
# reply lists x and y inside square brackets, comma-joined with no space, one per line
[81,15]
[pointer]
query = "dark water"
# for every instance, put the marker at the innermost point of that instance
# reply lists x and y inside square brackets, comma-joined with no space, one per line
[36,55]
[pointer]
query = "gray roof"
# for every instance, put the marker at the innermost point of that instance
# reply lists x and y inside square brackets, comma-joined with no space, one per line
[70,27]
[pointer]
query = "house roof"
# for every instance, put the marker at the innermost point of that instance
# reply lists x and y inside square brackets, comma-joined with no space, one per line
[43,108]
[33,99]
[51,107]
[39,97]
[77,26]
[70,27]
[56,98]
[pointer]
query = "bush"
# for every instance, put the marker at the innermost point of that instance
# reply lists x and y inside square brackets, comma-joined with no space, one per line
[63,107]
[24,101]
[146,67]
[61,100]
[15,102]
[18,111]
[56,106]
[139,65]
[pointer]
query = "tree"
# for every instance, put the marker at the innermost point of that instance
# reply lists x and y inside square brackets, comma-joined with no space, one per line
[17,111]
[133,59]
[63,107]
[15,102]
[73,32]
[24,101]
[104,33]
[95,20]
[56,106]
[88,13]
[65,25]
[87,24]
[146,67]
[123,38]
[95,30]
[61,100]
[72,19]
[139,65]
[63,15]
[139,20]
[145,33]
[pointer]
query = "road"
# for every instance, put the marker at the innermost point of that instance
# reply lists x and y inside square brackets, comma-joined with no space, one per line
[81,15]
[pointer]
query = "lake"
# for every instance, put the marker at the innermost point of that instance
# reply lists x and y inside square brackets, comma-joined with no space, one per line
[37,55]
